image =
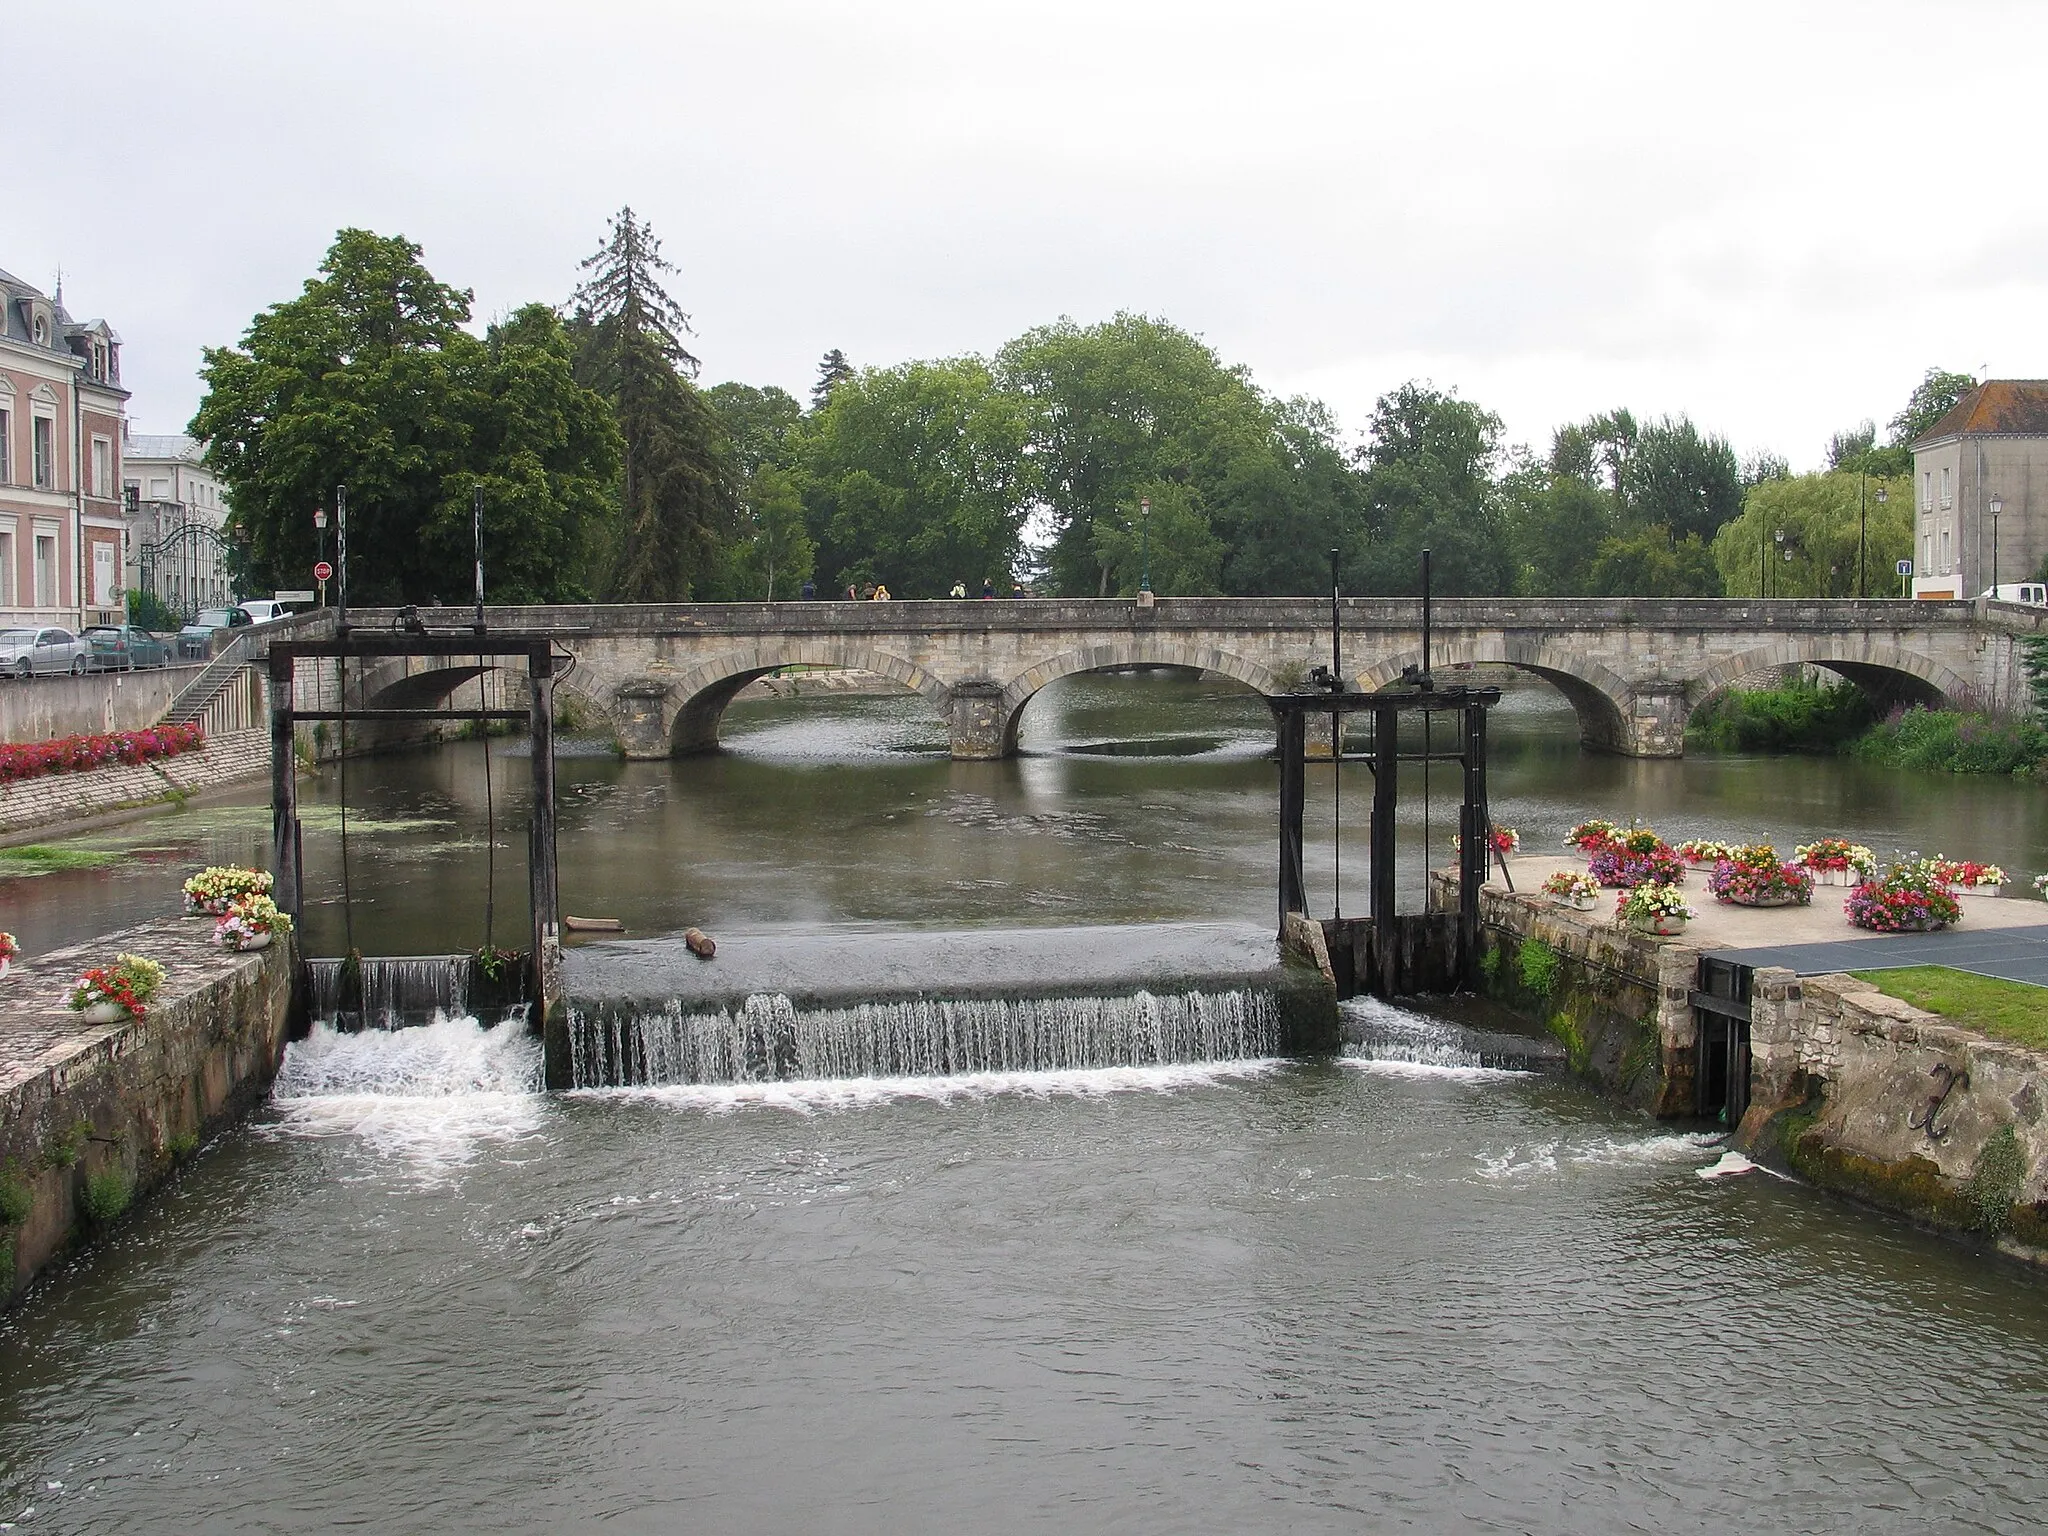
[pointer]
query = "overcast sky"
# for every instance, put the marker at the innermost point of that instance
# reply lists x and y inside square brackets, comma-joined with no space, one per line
[1773,217]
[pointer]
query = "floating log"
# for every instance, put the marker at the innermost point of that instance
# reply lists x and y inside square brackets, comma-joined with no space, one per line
[592,924]
[700,942]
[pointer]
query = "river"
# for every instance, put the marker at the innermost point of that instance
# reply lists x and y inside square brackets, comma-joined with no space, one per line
[1397,1291]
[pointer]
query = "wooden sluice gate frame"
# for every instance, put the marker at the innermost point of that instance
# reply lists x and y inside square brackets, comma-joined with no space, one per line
[351,644]
[1387,953]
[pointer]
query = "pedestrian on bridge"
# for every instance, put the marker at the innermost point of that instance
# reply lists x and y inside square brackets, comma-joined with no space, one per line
[881,592]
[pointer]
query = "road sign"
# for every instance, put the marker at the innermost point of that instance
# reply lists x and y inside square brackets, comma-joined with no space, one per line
[1905,567]
[323,572]
[291,597]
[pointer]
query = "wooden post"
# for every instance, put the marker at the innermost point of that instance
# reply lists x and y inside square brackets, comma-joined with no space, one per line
[1293,800]
[284,790]
[1386,796]
[543,890]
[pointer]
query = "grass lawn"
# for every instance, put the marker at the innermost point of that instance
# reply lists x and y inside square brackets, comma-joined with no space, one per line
[42,858]
[2005,1010]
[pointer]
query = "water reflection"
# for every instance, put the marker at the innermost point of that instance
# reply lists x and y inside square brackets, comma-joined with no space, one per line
[835,808]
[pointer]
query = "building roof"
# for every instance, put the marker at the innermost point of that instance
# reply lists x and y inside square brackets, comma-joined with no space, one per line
[2015,406]
[146,445]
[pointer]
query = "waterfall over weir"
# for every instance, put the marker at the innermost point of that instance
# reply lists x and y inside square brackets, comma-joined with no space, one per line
[769,1038]
[395,990]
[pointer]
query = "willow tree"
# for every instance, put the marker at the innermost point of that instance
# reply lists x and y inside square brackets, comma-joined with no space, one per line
[677,498]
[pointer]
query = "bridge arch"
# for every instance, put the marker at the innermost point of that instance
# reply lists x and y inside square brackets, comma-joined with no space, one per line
[1600,697]
[1877,666]
[701,695]
[1136,651]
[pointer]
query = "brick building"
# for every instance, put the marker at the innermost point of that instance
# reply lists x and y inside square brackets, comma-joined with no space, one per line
[62,412]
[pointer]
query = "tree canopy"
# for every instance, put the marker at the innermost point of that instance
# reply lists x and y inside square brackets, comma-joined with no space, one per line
[367,379]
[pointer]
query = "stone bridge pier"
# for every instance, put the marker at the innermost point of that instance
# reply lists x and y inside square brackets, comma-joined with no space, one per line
[1633,671]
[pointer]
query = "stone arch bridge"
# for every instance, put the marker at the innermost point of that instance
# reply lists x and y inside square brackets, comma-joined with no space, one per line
[1633,670]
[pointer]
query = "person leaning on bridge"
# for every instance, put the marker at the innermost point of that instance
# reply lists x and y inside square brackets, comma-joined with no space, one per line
[987,588]
[881,592]
[959,589]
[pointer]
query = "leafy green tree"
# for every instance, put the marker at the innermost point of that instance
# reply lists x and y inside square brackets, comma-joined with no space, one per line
[1649,562]
[678,497]
[1556,523]
[833,370]
[1817,557]
[1430,459]
[1851,450]
[546,453]
[1115,409]
[1682,480]
[1174,542]
[759,422]
[916,477]
[368,379]
[1933,398]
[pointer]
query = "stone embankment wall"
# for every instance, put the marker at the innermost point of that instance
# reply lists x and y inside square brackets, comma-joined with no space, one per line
[1617,1000]
[1873,1098]
[94,1117]
[62,797]
[37,708]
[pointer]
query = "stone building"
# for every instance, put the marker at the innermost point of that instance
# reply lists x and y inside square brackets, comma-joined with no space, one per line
[177,519]
[1986,449]
[62,410]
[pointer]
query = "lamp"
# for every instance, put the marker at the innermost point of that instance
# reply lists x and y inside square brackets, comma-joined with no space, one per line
[1997,506]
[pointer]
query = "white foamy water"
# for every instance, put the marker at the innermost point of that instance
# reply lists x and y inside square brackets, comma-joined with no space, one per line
[1676,1148]
[1390,1041]
[808,1096]
[432,1095]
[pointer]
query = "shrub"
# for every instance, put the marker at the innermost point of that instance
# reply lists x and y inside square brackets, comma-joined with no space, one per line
[106,1196]
[1802,717]
[16,1201]
[1995,1180]
[1950,741]
[1539,968]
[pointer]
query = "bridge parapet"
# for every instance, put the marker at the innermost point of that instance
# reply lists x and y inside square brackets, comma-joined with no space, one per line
[1633,669]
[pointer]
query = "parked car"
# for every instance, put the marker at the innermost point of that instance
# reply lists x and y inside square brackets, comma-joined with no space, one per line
[123,648]
[196,638]
[262,609]
[23,651]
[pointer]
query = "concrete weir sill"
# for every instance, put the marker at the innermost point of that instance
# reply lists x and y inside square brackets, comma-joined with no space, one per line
[94,1117]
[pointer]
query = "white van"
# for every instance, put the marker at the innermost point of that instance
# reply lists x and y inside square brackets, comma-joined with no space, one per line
[262,610]
[2032,593]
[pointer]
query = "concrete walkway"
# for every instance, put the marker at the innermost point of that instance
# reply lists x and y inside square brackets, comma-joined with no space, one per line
[2005,936]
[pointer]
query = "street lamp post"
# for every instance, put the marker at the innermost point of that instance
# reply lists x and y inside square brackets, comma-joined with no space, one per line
[320,522]
[1997,506]
[1780,537]
[1144,546]
[1862,524]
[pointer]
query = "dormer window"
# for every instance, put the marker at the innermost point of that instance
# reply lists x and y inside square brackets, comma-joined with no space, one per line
[41,329]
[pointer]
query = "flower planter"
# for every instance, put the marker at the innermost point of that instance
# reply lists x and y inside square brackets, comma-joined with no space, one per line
[1983,890]
[103,1013]
[1663,927]
[6,965]
[254,941]
[1835,877]
[1782,899]
[1585,903]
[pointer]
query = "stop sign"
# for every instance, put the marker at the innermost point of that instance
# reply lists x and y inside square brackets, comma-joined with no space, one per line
[323,571]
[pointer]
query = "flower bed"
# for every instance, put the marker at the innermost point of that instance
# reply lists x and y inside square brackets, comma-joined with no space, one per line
[1569,888]
[1704,852]
[217,887]
[1911,898]
[1832,856]
[1640,857]
[249,922]
[1591,836]
[1753,877]
[1967,874]
[82,754]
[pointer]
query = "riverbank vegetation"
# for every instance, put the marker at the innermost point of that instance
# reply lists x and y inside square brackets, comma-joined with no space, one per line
[1074,460]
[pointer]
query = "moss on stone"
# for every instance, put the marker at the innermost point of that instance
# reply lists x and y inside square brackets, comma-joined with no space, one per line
[1995,1180]
[106,1196]
[1913,1187]
[1567,1032]
[1539,965]
[16,1200]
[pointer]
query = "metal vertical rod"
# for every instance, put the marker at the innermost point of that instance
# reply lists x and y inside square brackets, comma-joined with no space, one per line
[1336,629]
[1336,814]
[476,531]
[284,790]
[1293,799]
[1425,619]
[341,560]
[1477,846]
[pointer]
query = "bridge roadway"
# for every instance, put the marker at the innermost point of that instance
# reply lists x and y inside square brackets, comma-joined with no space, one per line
[1634,670]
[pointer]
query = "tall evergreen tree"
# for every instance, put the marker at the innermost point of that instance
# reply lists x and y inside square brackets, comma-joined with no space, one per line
[833,370]
[676,493]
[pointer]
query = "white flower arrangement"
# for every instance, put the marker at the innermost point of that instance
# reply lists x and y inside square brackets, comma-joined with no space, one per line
[1650,901]
[246,922]
[214,889]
